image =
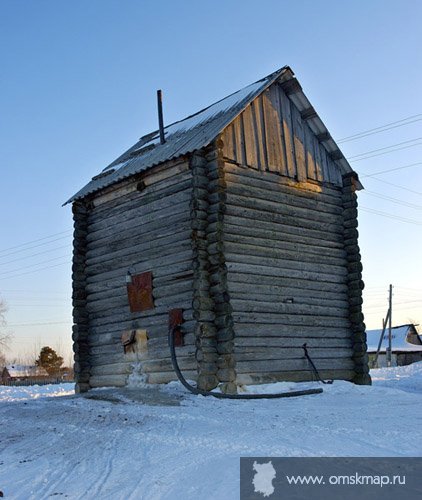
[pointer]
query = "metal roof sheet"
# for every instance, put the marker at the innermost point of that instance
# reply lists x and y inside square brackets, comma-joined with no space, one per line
[197,131]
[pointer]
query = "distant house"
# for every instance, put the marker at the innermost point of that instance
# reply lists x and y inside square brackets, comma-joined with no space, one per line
[406,346]
[20,373]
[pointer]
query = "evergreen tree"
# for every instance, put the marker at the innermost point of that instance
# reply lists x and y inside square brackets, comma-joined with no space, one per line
[49,360]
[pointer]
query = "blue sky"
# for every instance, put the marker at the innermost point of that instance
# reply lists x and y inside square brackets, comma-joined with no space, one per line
[78,82]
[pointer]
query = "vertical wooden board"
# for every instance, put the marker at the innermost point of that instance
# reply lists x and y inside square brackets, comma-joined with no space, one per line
[273,131]
[249,137]
[239,143]
[324,162]
[335,173]
[229,145]
[318,161]
[299,142]
[287,134]
[259,133]
[310,153]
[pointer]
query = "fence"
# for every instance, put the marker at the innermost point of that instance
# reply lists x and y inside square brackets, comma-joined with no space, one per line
[34,381]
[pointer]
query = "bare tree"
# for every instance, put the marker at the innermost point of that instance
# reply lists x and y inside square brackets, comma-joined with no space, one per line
[4,336]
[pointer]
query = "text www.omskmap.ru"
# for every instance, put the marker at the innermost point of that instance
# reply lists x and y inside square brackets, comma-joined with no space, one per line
[353,480]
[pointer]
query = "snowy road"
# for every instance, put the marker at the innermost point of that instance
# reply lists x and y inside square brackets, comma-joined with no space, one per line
[114,447]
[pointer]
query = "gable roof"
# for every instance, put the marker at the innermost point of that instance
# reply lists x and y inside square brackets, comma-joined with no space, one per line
[200,129]
[400,339]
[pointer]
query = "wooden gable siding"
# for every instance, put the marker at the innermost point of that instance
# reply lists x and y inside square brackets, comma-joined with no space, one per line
[270,135]
[147,230]
[286,277]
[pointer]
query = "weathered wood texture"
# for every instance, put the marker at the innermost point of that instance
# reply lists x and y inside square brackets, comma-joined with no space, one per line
[354,280]
[270,135]
[144,229]
[287,276]
[80,329]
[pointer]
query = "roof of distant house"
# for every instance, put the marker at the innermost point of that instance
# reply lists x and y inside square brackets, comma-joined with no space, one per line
[26,371]
[399,341]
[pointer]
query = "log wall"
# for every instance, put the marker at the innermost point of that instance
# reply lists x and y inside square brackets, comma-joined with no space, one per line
[144,229]
[287,277]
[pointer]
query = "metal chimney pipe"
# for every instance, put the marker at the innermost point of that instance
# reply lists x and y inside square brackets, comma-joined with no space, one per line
[160,116]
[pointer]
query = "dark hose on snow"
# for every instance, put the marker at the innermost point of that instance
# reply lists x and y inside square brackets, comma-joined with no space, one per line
[220,395]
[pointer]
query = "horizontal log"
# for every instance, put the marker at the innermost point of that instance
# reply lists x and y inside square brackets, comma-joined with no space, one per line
[256,188]
[139,244]
[281,294]
[251,212]
[157,253]
[158,365]
[137,209]
[181,262]
[159,291]
[154,331]
[270,365]
[267,341]
[262,353]
[122,234]
[276,330]
[283,209]
[292,376]
[272,252]
[122,368]
[166,377]
[108,380]
[300,286]
[274,182]
[282,309]
[158,315]
[284,271]
[274,239]
[154,220]
[290,320]
[154,350]
[172,277]
[321,237]
[98,306]
[174,184]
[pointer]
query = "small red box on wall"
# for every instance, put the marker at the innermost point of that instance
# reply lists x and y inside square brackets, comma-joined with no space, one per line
[139,292]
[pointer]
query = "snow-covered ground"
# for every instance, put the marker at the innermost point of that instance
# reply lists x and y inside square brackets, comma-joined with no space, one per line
[178,445]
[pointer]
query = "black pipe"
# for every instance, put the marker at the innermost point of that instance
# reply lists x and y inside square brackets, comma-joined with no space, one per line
[160,116]
[221,395]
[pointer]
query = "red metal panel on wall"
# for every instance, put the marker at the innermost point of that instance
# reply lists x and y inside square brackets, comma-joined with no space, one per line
[139,292]
[175,322]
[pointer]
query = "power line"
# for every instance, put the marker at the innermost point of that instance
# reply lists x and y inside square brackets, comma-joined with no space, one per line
[34,271]
[408,288]
[42,324]
[59,304]
[33,255]
[391,216]
[381,128]
[393,200]
[391,169]
[383,151]
[35,241]
[34,246]
[35,264]
[397,186]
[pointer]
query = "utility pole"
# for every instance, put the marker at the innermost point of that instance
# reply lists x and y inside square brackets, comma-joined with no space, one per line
[390,310]
[386,321]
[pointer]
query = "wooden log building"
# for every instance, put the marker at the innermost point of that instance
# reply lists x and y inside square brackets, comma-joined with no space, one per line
[239,229]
